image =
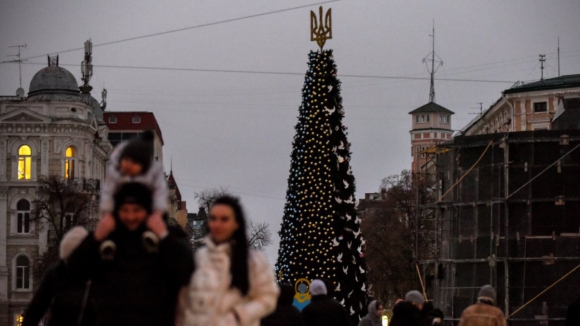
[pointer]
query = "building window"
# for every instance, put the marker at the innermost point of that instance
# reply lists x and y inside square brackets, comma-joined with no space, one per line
[416,119]
[112,119]
[69,163]
[68,221]
[19,320]
[540,107]
[136,119]
[444,119]
[427,117]
[24,162]
[23,216]
[22,272]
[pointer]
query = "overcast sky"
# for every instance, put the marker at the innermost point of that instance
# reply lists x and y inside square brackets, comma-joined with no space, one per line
[234,129]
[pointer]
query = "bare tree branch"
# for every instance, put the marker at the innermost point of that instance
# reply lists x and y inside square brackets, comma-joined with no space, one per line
[260,235]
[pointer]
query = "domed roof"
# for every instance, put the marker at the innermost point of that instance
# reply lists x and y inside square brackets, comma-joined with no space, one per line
[53,80]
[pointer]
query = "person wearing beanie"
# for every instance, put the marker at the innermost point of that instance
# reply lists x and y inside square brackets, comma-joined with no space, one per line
[373,317]
[408,311]
[285,314]
[135,286]
[62,292]
[484,312]
[133,161]
[322,310]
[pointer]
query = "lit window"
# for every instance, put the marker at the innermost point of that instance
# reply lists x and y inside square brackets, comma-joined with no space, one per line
[541,107]
[24,162]
[136,119]
[19,320]
[112,119]
[69,163]
[22,272]
[23,216]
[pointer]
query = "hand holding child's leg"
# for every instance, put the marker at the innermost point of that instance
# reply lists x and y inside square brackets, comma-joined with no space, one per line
[105,226]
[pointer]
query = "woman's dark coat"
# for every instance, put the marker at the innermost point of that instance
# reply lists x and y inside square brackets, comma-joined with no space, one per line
[64,294]
[286,314]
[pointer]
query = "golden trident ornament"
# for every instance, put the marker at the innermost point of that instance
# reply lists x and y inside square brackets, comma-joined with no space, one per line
[320,30]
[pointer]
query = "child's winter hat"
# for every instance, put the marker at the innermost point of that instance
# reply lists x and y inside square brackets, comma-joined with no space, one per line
[487,292]
[134,193]
[415,297]
[317,287]
[140,150]
[71,240]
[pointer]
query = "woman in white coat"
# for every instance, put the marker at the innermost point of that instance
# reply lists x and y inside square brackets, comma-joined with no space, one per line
[232,285]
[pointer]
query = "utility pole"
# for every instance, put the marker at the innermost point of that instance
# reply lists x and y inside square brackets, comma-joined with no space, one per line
[542,60]
[434,68]
[19,60]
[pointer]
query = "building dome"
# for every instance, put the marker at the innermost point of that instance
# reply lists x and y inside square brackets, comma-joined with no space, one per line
[53,80]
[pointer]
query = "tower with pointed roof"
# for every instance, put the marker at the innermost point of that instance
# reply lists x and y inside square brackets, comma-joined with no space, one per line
[431,125]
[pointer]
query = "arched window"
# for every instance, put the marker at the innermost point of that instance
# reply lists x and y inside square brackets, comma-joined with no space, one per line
[22,272]
[24,162]
[69,165]
[23,216]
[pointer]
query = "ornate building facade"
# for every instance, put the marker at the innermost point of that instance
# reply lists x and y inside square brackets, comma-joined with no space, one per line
[57,130]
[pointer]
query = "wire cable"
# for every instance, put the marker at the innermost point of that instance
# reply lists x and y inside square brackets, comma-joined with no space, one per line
[185,28]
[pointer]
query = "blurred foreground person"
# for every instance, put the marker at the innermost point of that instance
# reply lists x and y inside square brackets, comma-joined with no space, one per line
[232,285]
[322,310]
[483,313]
[63,292]
[373,317]
[285,314]
[131,284]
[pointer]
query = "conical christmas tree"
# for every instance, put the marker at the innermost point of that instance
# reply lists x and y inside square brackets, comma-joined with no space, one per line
[320,234]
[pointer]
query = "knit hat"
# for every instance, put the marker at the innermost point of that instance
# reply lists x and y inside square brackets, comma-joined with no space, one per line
[133,193]
[414,297]
[140,150]
[71,240]
[487,292]
[317,287]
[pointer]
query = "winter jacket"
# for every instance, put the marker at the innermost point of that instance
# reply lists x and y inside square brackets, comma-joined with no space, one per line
[482,314]
[406,314]
[154,179]
[371,319]
[64,295]
[324,311]
[209,299]
[285,314]
[136,287]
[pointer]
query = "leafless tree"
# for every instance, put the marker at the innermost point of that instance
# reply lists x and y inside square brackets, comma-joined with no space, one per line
[61,204]
[260,235]
[205,198]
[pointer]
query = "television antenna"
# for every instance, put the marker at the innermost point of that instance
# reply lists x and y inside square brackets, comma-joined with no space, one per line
[480,109]
[433,60]
[19,60]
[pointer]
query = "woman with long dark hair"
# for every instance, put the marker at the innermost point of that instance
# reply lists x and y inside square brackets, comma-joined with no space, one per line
[232,284]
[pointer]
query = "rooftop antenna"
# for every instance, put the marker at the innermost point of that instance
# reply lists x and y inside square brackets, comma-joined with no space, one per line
[104,98]
[558,56]
[87,67]
[19,60]
[433,69]
[480,109]
[542,60]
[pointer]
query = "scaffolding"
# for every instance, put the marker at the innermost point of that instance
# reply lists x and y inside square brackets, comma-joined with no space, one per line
[510,218]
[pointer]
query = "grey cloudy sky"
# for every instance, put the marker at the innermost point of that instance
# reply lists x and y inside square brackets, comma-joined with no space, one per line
[235,130]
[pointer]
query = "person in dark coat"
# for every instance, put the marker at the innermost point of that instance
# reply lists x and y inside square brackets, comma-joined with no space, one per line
[64,294]
[573,314]
[130,284]
[414,311]
[373,317]
[286,314]
[322,310]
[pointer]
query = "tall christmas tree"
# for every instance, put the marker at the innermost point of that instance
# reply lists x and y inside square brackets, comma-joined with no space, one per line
[320,233]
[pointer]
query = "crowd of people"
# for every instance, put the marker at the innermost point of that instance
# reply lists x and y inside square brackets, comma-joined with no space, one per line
[135,269]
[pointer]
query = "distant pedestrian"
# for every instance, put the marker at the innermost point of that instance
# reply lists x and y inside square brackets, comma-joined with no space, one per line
[408,311]
[134,286]
[322,310]
[62,293]
[373,317]
[285,314]
[483,313]
[232,284]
